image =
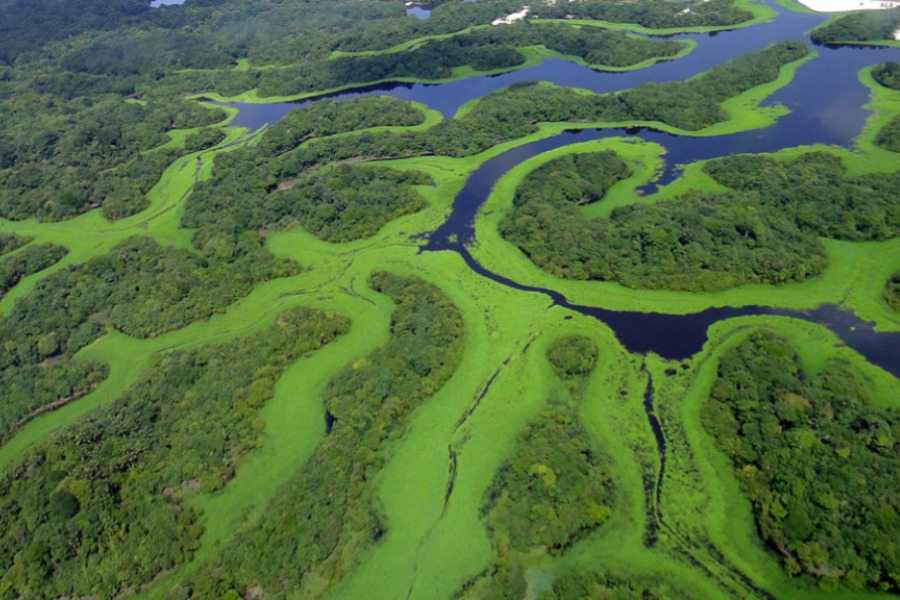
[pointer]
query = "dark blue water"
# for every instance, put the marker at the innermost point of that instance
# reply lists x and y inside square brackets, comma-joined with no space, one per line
[713,49]
[827,107]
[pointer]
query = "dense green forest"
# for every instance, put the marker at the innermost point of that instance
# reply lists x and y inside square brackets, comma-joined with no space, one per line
[338,204]
[126,47]
[813,191]
[889,136]
[32,259]
[10,242]
[455,16]
[140,288]
[482,50]
[149,450]
[331,117]
[103,506]
[578,585]
[572,356]
[244,193]
[892,291]
[859,26]
[764,231]
[654,14]
[89,153]
[811,452]
[320,521]
[887,75]
[515,111]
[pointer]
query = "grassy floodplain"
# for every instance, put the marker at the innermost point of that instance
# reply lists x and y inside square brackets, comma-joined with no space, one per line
[703,535]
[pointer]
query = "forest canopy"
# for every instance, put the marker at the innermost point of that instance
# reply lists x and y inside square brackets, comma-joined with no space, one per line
[139,287]
[811,452]
[860,26]
[112,491]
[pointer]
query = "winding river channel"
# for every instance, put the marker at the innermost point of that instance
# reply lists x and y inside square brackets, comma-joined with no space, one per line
[826,101]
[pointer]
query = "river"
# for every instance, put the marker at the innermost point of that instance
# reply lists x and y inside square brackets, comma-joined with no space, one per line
[827,107]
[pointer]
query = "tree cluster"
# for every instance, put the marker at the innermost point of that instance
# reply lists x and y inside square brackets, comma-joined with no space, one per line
[482,50]
[32,259]
[572,356]
[139,288]
[889,136]
[811,452]
[103,506]
[892,292]
[653,14]
[765,231]
[515,111]
[331,117]
[9,242]
[814,192]
[887,75]
[578,585]
[555,489]
[860,26]
[88,153]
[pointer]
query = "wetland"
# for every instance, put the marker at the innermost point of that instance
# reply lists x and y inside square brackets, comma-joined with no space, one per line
[332,344]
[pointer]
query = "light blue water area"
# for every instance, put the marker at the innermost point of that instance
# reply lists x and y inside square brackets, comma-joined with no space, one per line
[418,12]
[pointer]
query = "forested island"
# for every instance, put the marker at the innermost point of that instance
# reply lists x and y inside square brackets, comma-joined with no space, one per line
[554,301]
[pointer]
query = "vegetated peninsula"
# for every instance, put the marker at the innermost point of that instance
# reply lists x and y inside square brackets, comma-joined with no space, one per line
[300,360]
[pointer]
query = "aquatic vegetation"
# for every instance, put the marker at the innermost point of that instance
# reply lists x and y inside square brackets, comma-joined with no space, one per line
[188,411]
[328,513]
